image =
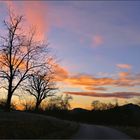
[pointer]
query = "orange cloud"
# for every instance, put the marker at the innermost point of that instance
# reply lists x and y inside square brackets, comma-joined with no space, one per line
[61,73]
[87,80]
[124,66]
[128,79]
[92,83]
[125,95]
[123,75]
[97,40]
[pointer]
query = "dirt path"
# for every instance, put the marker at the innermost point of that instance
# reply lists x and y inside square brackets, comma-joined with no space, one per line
[98,132]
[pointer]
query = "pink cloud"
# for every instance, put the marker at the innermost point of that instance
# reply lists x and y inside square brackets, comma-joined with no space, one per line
[10,4]
[124,66]
[97,40]
[35,14]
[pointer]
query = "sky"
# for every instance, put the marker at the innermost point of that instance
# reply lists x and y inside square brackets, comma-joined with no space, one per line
[97,44]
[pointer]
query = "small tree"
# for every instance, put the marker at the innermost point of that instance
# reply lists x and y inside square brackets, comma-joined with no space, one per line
[27,103]
[97,105]
[60,102]
[41,86]
[65,103]
[20,54]
[116,102]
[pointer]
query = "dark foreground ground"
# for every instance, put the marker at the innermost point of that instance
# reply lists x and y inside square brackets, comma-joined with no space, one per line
[25,125]
[17,124]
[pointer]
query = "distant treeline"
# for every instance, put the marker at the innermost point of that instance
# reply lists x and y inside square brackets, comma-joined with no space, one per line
[59,106]
[128,115]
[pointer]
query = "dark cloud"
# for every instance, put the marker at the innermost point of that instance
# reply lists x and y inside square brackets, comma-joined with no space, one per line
[107,95]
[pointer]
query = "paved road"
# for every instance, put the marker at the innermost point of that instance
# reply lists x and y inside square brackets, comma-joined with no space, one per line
[98,132]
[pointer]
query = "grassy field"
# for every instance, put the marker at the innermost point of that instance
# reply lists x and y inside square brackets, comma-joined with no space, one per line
[132,131]
[28,125]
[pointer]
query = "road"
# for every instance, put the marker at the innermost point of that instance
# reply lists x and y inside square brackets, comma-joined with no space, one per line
[98,132]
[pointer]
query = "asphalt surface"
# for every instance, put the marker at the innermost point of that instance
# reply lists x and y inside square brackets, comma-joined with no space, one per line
[98,132]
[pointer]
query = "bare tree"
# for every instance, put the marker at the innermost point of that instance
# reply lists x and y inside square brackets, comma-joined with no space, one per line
[20,54]
[41,86]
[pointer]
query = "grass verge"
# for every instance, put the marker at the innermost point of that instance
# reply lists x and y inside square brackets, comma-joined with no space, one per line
[132,131]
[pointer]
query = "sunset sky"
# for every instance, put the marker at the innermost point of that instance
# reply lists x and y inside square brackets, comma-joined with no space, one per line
[97,44]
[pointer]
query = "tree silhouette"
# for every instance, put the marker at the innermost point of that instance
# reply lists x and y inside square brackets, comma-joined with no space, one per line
[60,102]
[41,86]
[26,103]
[20,54]
[97,105]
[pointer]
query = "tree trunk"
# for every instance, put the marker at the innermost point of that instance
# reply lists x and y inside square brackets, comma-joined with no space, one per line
[8,102]
[9,97]
[37,105]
